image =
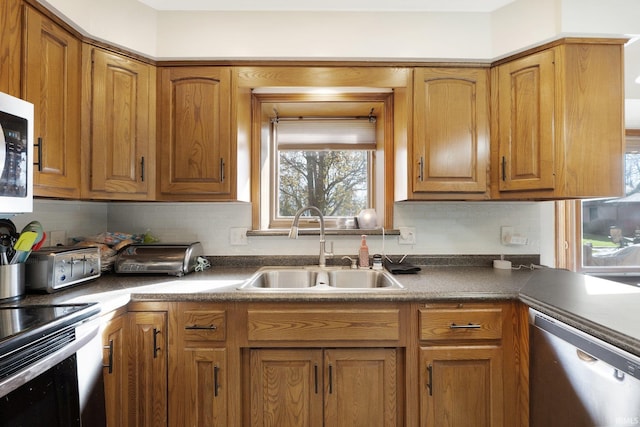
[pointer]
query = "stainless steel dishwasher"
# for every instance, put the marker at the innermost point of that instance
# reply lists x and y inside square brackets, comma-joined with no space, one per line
[579,380]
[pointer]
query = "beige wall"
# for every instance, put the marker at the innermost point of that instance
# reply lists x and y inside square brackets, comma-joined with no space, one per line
[347,35]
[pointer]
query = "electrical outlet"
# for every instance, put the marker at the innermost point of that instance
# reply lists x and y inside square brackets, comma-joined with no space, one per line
[506,233]
[57,238]
[508,236]
[407,236]
[238,236]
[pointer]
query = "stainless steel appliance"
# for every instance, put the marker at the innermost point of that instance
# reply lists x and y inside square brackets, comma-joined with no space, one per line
[173,259]
[579,380]
[16,155]
[41,382]
[55,268]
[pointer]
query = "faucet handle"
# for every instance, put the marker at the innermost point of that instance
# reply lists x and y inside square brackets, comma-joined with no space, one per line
[353,261]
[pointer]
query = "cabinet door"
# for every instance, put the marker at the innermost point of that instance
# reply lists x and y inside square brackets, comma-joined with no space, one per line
[115,371]
[451,130]
[461,386]
[10,47]
[205,384]
[52,73]
[148,369]
[286,388]
[121,154]
[361,387]
[526,97]
[195,141]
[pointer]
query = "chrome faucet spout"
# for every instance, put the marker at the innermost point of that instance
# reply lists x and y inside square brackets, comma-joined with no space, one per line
[293,232]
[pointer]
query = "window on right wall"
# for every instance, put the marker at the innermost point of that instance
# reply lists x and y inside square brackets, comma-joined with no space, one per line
[610,239]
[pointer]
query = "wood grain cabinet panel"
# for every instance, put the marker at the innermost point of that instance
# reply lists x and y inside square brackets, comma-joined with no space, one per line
[451,133]
[115,371]
[526,95]
[52,84]
[120,106]
[557,122]
[461,386]
[472,365]
[148,358]
[10,47]
[328,324]
[195,154]
[206,386]
[462,324]
[200,379]
[356,387]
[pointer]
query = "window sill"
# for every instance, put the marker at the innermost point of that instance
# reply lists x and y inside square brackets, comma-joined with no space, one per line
[328,232]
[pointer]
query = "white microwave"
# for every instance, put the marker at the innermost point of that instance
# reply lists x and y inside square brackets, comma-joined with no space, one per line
[16,155]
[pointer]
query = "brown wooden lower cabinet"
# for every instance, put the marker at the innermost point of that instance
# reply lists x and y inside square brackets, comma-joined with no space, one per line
[205,387]
[307,365]
[114,354]
[323,387]
[461,386]
[147,348]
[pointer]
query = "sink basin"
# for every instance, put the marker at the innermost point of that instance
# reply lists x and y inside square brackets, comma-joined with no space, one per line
[317,279]
[271,278]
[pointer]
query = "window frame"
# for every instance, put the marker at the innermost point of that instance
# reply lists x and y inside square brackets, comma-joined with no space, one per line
[569,229]
[381,158]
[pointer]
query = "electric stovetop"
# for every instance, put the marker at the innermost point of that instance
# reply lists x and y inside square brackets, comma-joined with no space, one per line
[28,332]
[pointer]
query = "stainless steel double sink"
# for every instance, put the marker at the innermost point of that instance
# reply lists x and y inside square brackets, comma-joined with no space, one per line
[319,279]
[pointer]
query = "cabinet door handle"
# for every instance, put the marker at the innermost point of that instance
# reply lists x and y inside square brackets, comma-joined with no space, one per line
[430,379]
[330,379]
[216,383]
[110,365]
[421,169]
[39,146]
[315,377]
[156,349]
[467,326]
[221,169]
[142,168]
[504,168]
[200,327]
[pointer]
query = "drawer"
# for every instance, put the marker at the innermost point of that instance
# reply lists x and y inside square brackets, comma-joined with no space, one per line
[460,323]
[204,325]
[318,324]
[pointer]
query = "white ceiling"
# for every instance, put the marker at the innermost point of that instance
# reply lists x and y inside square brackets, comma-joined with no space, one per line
[331,5]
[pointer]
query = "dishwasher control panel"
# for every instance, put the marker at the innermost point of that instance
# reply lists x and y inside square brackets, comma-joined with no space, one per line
[55,268]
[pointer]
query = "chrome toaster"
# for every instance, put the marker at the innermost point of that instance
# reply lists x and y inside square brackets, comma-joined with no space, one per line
[174,259]
[54,268]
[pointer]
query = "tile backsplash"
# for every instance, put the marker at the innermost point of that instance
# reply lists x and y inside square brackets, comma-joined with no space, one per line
[442,228]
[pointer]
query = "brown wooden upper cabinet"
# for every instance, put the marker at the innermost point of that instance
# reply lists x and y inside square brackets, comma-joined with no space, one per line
[557,122]
[52,84]
[195,153]
[451,133]
[119,99]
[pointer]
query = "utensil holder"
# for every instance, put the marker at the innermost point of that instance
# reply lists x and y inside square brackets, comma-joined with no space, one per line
[11,282]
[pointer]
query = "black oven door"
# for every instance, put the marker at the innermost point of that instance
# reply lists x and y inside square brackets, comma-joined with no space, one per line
[50,399]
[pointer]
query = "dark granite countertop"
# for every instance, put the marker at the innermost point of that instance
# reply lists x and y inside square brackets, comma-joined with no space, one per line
[605,309]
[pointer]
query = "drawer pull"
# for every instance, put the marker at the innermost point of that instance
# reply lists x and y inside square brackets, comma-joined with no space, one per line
[467,326]
[201,328]
[430,380]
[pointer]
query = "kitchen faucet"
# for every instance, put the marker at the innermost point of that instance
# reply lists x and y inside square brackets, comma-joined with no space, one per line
[293,233]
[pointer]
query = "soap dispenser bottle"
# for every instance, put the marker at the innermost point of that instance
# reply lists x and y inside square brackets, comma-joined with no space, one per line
[363,254]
